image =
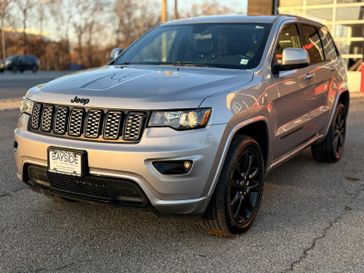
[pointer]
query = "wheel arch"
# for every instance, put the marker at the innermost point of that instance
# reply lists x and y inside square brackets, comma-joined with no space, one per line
[344,98]
[257,130]
[252,127]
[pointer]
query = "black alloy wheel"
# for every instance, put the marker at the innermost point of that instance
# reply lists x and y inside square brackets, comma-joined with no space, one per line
[339,133]
[245,189]
[238,193]
[331,148]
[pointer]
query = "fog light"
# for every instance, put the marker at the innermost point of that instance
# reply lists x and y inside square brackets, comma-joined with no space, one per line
[15,146]
[173,167]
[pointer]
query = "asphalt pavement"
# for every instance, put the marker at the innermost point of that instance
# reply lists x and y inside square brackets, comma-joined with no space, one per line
[311,220]
[15,85]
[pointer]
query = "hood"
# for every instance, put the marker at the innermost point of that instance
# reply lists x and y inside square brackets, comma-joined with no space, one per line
[141,87]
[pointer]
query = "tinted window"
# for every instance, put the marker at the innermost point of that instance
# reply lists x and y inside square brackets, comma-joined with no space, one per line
[218,45]
[311,42]
[287,38]
[328,43]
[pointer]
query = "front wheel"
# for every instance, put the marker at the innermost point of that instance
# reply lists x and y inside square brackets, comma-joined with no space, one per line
[332,147]
[237,197]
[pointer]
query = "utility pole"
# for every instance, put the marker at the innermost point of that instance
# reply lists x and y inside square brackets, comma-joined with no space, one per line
[164,18]
[176,10]
[3,42]
[164,15]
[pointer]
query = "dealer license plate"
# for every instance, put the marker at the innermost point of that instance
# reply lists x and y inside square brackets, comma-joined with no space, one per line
[66,161]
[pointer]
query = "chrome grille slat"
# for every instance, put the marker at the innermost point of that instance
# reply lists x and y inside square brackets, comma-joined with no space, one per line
[47,115]
[92,124]
[87,124]
[37,110]
[133,126]
[112,125]
[75,122]
[60,120]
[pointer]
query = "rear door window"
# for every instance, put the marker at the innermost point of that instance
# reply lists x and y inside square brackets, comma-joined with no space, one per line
[328,43]
[288,37]
[312,43]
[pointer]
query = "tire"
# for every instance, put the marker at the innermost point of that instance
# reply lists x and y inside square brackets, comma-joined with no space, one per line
[330,149]
[35,69]
[237,197]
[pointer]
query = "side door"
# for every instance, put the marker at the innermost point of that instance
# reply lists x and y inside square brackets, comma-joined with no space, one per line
[288,106]
[335,67]
[320,76]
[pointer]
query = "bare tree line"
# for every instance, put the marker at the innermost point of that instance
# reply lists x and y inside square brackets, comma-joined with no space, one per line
[80,31]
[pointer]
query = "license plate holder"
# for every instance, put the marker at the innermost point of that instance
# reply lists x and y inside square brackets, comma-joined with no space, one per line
[67,161]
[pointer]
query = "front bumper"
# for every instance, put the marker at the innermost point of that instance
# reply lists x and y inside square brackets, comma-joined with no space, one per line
[182,194]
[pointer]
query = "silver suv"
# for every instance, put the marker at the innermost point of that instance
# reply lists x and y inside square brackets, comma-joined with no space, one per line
[189,119]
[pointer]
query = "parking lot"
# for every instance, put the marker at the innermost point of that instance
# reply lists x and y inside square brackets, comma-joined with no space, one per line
[311,220]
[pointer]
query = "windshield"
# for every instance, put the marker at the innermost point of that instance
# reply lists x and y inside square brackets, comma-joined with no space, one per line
[226,45]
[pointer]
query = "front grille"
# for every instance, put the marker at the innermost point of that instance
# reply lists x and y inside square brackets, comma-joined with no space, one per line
[88,124]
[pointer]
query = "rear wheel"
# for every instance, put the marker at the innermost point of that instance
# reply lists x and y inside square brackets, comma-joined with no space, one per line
[236,201]
[35,69]
[332,147]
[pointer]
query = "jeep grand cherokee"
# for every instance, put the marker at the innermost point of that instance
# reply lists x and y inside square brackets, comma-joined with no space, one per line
[189,118]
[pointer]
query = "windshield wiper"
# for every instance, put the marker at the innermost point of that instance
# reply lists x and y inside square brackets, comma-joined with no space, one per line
[180,63]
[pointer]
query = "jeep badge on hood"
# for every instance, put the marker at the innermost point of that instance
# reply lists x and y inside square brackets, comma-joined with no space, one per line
[80,100]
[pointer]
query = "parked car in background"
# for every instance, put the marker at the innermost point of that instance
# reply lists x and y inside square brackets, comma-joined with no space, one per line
[20,63]
[2,66]
[189,118]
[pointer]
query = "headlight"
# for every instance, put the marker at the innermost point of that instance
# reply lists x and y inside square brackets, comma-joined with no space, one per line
[181,119]
[27,106]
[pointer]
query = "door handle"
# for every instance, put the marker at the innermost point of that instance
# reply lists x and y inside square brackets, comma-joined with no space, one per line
[308,76]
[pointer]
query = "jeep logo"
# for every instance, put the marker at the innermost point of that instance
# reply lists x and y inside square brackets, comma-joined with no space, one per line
[80,100]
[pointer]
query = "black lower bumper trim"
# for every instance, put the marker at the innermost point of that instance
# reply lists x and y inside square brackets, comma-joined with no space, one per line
[90,188]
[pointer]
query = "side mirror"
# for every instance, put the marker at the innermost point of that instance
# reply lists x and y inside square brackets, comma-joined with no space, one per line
[115,53]
[292,58]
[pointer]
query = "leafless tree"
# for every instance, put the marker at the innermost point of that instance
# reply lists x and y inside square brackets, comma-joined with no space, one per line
[61,11]
[92,27]
[208,8]
[81,31]
[84,24]
[133,19]
[4,13]
[25,9]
